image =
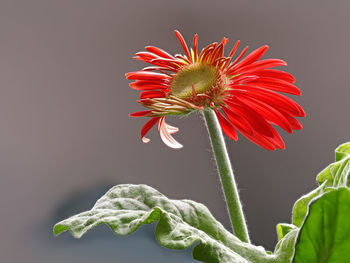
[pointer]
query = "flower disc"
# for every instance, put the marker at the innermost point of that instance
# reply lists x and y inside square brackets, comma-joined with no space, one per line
[201,77]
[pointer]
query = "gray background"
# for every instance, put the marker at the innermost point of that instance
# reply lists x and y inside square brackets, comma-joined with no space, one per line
[66,136]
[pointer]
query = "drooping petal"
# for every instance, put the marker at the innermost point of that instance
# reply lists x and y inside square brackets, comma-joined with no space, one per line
[165,135]
[145,129]
[171,129]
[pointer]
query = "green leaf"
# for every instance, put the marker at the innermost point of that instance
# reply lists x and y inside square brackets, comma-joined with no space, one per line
[325,234]
[181,224]
[333,176]
[320,222]
[337,174]
[285,248]
[343,151]
[283,229]
[301,206]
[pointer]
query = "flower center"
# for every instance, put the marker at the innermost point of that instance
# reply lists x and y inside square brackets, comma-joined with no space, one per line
[201,77]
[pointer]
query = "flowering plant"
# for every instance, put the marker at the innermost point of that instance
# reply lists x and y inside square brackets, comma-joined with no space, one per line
[244,89]
[238,94]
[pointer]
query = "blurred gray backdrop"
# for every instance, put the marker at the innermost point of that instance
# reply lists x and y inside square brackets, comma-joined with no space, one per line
[66,137]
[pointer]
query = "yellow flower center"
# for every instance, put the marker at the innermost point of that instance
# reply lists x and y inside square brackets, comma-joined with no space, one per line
[201,77]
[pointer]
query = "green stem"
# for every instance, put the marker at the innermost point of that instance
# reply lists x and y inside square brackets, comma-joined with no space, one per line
[226,174]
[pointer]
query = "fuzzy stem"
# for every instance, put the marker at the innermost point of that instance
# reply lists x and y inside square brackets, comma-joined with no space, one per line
[226,174]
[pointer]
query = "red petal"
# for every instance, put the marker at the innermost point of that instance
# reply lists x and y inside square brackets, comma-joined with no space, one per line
[159,52]
[268,112]
[159,68]
[260,65]
[273,98]
[181,57]
[234,49]
[147,85]
[269,143]
[146,56]
[231,53]
[238,121]
[252,57]
[277,140]
[275,84]
[276,74]
[170,63]
[140,113]
[195,44]
[217,53]
[151,94]
[256,121]
[243,79]
[183,43]
[293,122]
[226,126]
[145,129]
[261,141]
[239,57]
[207,54]
[146,75]
[207,50]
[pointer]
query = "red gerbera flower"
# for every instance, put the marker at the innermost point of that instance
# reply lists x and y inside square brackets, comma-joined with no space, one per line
[243,93]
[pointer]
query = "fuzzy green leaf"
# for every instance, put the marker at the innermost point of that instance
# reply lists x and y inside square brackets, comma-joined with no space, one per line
[325,234]
[285,248]
[181,224]
[343,151]
[283,229]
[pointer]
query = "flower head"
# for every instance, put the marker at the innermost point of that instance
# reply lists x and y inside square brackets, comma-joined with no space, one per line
[243,92]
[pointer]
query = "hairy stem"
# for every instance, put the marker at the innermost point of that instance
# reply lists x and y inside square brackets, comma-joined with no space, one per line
[226,175]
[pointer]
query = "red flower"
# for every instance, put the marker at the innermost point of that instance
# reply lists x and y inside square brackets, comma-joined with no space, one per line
[243,93]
